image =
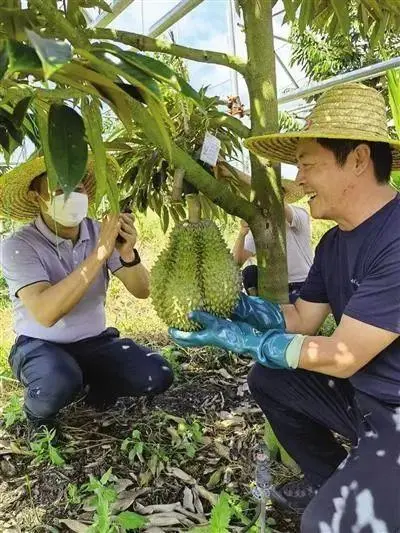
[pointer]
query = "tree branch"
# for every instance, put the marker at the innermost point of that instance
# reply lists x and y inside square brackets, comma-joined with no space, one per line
[233,124]
[214,189]
[59,24]
[148,44]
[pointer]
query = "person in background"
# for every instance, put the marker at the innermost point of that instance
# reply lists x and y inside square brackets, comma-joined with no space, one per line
[298,244]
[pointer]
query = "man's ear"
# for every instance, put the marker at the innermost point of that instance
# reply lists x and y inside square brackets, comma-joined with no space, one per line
[362,158]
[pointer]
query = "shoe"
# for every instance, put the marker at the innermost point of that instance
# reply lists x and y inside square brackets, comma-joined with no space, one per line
[37,426]
[293,495]
[99,402]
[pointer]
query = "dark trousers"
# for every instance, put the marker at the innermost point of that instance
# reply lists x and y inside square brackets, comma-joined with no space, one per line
[360,492]
[53,373]
[250,281]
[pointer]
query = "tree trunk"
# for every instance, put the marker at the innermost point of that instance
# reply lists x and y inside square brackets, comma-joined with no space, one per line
[269,229]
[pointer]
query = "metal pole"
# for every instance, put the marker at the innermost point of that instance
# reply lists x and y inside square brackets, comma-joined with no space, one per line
[232,46]
[365,73]
[282,64]
[103,20]
[175,14]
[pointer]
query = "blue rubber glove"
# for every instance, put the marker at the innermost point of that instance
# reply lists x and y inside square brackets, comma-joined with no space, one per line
[259,313]
[274,348]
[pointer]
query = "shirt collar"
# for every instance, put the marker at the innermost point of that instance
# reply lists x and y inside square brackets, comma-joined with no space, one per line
[56,239]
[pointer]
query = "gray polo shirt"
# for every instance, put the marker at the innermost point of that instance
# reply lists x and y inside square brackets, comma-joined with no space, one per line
[35,254]
[298,245]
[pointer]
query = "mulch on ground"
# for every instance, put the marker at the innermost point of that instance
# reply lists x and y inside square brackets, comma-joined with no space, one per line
[193,442]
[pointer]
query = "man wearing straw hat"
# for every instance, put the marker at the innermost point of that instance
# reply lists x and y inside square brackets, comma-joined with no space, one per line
[298,244]
[312,387]
[57,270]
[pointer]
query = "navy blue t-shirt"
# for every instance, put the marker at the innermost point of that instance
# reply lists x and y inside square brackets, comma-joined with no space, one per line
[358,273]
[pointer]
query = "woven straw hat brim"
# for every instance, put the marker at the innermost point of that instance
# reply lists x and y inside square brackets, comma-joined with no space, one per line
[281,147]
[293,191]
[14,186]
[349,111]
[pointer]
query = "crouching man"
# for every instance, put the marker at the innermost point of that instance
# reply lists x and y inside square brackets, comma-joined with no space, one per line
[57,270]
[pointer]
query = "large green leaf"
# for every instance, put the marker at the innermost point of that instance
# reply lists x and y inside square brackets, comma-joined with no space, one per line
[68,146]
[53,54]
[42,124]
[20,111]
[94,124]
[153,68]
[125,69]
[342,12]
[305,14]
[151,96]
[22,58]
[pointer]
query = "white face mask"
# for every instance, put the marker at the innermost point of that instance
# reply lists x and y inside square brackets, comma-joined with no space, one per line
[68,213]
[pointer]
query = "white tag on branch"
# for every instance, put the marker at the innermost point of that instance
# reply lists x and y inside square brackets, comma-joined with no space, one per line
[210,149]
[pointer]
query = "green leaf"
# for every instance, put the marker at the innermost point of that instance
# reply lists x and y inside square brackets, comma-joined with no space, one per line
[290,9]
[133,74]
[164,218]
[393,77]
[20,111]
[378,31]
[342,12]
[55,457]
[68,147]
[155,69]
[101,4]
[53,54]
[3,61]
[129,520]
[305,14]
[94,125]
[106,476]
[42,123]
[22,58]
[221,515]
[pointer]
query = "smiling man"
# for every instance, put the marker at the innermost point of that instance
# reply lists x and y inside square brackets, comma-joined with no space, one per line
[311,387]
[57,270]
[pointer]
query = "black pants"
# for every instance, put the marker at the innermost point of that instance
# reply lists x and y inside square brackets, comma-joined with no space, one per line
[53,374]
[360,492]
[250,281]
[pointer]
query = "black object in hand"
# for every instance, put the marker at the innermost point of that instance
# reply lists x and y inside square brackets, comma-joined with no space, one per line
[119,238]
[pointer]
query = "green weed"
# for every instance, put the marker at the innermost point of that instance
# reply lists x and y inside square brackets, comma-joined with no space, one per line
[44,449]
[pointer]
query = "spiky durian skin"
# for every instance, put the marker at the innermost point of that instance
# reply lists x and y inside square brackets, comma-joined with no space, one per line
[182,291]
[195,271]
[220,275]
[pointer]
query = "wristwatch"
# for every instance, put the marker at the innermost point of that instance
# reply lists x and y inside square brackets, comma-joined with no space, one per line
[133,263]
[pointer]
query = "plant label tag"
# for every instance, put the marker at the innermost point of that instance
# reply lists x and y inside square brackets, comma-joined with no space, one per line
[210,149]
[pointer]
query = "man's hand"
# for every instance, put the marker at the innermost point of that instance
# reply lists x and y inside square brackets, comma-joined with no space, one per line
[129,233]
[109,230]
[259,313]
[274,348]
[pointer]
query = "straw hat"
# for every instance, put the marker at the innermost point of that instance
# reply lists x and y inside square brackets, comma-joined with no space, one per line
[351,111]
[14,186]
[293,191]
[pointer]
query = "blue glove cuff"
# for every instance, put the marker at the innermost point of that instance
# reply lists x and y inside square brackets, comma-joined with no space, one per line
[276,349]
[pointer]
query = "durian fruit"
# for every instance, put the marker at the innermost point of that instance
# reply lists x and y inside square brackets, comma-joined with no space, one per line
[195,271]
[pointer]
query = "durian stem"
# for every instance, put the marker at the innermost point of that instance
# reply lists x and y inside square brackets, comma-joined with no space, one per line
[194,208]
[177,186]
